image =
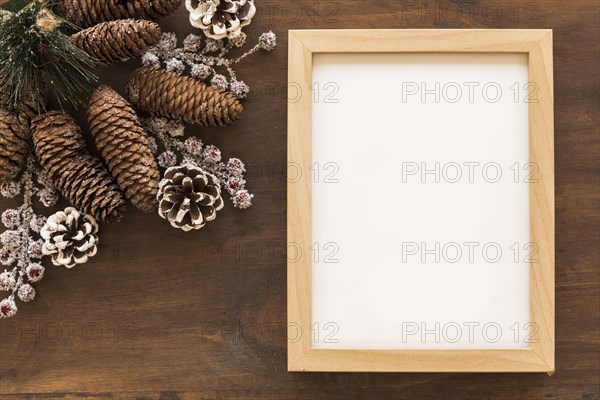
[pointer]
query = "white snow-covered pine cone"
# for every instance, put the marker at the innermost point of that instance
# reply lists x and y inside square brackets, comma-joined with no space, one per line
[70,237]
[220,19]
[189,197]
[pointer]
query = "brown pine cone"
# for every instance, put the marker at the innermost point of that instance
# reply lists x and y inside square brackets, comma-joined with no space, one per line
[86,13]
[117,41]
[26,110]
[189,197]
[15,144]
[166,94]
[123,145]
[79,177]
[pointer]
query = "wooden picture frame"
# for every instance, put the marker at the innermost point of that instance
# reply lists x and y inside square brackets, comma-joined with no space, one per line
[537,44]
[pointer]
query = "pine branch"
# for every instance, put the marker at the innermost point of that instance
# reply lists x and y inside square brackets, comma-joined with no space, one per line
[37,56]
[15,5]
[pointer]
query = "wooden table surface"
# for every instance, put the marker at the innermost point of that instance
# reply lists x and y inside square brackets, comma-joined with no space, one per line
[162,314]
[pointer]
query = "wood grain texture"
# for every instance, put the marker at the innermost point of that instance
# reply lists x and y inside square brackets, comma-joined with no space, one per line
[420,40]
[162,314]
[537,45]
[541,200]
[299,202]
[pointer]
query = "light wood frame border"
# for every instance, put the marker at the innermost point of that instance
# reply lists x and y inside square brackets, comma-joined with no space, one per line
[539,357]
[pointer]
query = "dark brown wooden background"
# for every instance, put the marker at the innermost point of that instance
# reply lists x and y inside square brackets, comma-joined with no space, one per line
[162,314]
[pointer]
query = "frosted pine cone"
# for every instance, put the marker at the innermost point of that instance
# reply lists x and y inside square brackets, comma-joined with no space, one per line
[189,197]
[221,18]
[70,237]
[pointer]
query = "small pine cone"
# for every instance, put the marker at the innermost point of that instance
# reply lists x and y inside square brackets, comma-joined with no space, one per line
[86,13]
[70,237]
[124,147]
[117,41]
[189,197]
[15,144]
[79,177]
[166,94]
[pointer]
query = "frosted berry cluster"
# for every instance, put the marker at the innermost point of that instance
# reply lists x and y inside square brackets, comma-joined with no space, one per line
[20,243]
[202,57]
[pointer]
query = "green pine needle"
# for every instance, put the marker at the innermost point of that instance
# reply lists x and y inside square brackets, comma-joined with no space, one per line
[37,56]
[15,5]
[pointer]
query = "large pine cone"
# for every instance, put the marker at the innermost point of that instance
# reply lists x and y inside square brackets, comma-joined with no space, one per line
[86,13]
[70,237]
[79,177]
[15,144]
[189,197]
[221,18]
[124,147]
[117,41]
[166,94]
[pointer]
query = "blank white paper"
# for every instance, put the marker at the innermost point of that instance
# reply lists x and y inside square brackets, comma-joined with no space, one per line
[420,201]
